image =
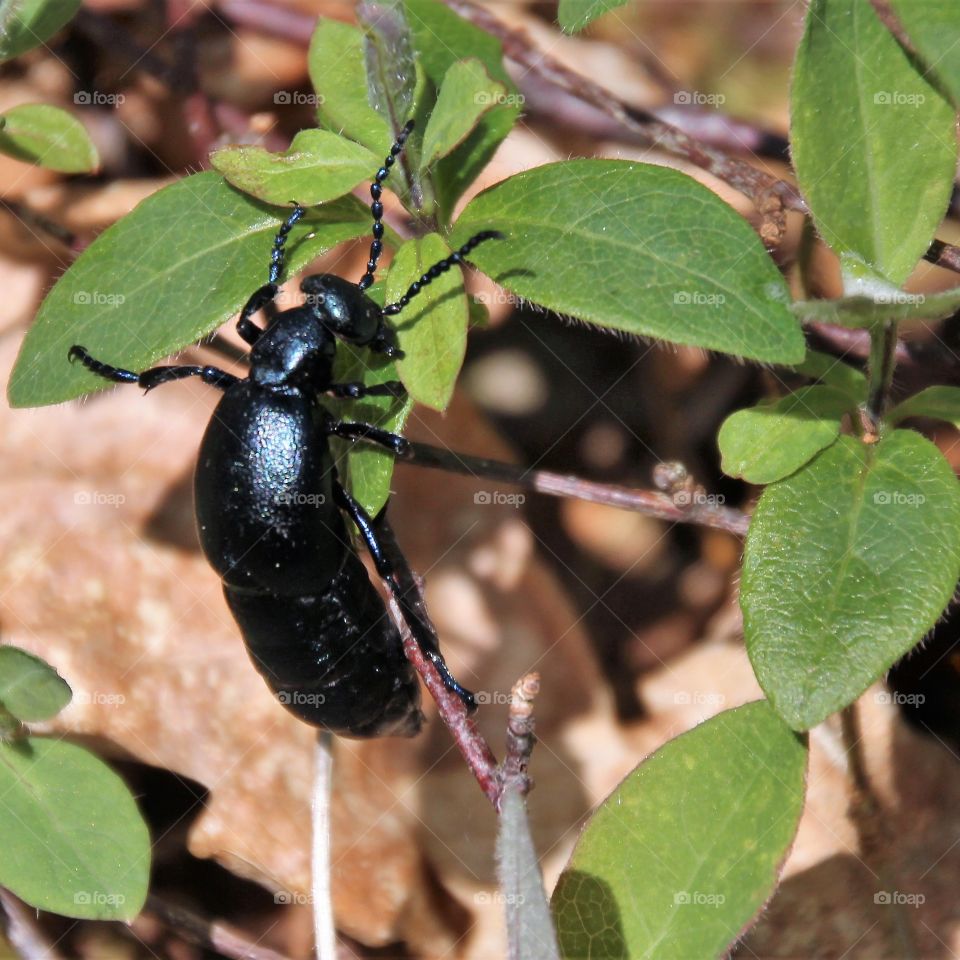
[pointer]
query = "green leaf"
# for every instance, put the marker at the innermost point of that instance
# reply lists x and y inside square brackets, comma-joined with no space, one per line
[771,441]
[848,563]
[933,27]
[530,930]
[365,468]
[432,330]
[937,402]
[390,61]
[319,166]
[49,137]
[74,841]
[25,24]
[873,143]
[865,312]
[682,855]
[30,689]
[442,38]
[574,15]
[171,271]
[338,72]
[637,248]
[834,373]
[466,95]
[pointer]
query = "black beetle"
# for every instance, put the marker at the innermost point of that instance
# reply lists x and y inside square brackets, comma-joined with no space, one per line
[270,507]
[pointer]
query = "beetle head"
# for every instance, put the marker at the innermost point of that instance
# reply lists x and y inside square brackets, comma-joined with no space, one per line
[348,313]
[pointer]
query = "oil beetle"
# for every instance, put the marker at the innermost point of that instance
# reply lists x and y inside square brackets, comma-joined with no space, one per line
[270,506]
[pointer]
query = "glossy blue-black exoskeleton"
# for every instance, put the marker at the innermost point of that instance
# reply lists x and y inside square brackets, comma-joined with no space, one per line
[270,508]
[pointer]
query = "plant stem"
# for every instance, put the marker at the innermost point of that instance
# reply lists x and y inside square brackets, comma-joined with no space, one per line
[324,928]
[868,817]
[654,503]
[883,350]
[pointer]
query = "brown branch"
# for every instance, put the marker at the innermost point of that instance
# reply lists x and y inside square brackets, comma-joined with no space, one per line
[771,196]
[520,736]
[474,748]
[208,933]
[20,926]
[687,505]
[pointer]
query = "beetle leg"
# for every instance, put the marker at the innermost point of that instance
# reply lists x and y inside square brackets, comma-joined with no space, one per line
[367,431]
[420,629]
[155,375]
[356,390]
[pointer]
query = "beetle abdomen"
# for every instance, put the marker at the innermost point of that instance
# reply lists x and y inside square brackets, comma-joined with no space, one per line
[264,493]
[334,659]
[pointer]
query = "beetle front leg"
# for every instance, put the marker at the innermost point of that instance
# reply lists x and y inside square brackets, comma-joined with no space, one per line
[153,377]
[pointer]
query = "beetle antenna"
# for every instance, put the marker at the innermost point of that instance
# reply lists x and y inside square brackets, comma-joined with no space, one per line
[442,266]
[280,240]
[376,208]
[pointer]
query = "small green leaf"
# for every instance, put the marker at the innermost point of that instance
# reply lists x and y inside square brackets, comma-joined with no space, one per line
[338,72]
[432,330]
[319,166]
[170,272]
[366,468]
[637,248]
[49,137]
[30,689]
[865,312]
[873,143]
[685,852]
[389,59]
[25,24]
[933,27]
[574,15]
[530,930]
[466,95]
[937,402]
[834,373]
[848,563]
[442,38]
[771,441]
[74,841]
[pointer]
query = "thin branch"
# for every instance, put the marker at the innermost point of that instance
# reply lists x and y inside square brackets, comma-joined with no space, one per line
[470,742]
[208,933]
[21,928]
[679,507]
[869,820]
[771,196]
[324,927]
[520,735]
[883,354]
